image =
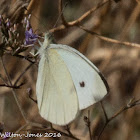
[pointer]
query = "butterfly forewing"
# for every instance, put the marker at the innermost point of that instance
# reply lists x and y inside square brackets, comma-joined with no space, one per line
[88,81]
[56,93]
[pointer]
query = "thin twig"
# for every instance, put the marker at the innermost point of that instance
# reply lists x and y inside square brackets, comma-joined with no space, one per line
[30,95]
[24,57]
[20,76]
[106,117]
[65,134]
[29,7]
[88,13]
[125,31]
[3,80]
[16,87]
[45,128]
[37,125]
[79,20]
[20,129]
[68,130]
[88,124]
[131,104]
[61,13]
[13,91]
[111,40]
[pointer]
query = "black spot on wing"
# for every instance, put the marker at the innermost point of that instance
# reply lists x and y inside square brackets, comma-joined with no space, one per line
[82,84]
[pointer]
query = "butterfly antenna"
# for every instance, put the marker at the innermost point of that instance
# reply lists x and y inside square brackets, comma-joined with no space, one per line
[60,14]
[50,34]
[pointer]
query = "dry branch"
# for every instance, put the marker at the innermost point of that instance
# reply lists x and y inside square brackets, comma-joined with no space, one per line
[132,103]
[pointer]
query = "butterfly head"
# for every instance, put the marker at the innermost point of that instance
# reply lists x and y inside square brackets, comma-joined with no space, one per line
[48,39]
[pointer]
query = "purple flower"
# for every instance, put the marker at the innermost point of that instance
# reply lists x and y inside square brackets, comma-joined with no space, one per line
[30,37]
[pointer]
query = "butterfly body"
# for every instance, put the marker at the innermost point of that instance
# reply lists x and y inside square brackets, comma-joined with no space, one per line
[67,83]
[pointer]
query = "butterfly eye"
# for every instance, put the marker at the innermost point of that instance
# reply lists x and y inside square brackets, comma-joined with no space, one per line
[82,84]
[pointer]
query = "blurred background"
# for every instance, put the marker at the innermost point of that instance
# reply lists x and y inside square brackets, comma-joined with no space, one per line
[119,64]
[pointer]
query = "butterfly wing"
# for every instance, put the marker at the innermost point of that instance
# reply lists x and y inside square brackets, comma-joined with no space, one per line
[56,93]
[89,83]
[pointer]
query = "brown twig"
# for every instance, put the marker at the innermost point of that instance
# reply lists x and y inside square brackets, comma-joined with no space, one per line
[61,13]
[68,130]
[18,9]
[79,20]
[24,57]
[105,114]
[13,91]
[65,134]
[20,129]
[125,31]
[3,80]
[29,90]
[20,76]
[43,128]
[88,124]
[131,104]
[16,87]
[83,17]
[111,40]
[29,7]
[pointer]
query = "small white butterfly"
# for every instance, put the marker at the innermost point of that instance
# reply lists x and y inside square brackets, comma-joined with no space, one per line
[67,82]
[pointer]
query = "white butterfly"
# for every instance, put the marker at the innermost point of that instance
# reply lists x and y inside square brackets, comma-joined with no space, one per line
[67,82]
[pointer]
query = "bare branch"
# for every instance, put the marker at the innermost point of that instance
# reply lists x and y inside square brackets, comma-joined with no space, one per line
[61,13]
[131,104]
[83,17]
[30,95]
[24,57]
[65,134]
[16,87]
[70,134]
[13,91]
[79,20]
[88,123]
[20,129]
[106,117]
[20,76]
[27,11]
[4,81]
[111,40]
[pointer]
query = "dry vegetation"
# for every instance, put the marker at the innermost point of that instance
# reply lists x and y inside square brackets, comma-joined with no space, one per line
[108,33]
